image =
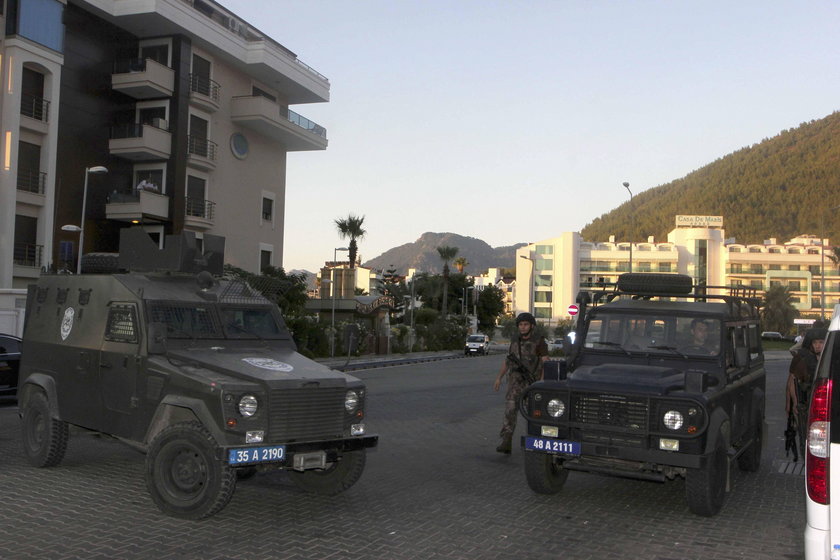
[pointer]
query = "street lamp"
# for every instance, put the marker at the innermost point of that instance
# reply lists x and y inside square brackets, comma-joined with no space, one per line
[531,284]
[332,288]
[632,222]
[80,229]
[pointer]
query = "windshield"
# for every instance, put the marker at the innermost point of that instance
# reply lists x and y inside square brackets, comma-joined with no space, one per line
[684,335]
[475,338]
[249,322]
[190,320]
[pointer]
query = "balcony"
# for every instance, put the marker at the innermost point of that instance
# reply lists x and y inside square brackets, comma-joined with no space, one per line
[31,186]
[140,142]
[204,93]
[201,153]
[37,111]
[28,254]
[143,78]
[142,207]
[199,213]
[266,117]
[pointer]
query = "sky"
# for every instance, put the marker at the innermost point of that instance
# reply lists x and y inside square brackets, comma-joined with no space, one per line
[514,121]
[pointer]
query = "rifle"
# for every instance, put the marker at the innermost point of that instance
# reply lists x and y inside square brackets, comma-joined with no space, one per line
[529,375]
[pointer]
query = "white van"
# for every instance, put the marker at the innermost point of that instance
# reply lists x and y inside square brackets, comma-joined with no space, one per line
[477,344]
[822,528]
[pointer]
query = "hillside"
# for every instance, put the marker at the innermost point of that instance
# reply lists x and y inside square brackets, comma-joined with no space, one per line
[780,187]
[422,254]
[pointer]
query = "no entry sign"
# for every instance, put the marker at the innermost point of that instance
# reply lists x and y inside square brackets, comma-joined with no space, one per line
[573,310]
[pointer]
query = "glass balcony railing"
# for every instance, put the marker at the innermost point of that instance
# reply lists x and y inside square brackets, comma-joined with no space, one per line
[303,122]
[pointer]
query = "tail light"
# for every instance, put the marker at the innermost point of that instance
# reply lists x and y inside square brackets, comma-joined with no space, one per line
[817,452]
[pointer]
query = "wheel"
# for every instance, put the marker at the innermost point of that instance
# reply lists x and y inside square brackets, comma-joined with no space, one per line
[705,489]
[44,437]
[544,473]
[183,475]
[336,478]
[750,460]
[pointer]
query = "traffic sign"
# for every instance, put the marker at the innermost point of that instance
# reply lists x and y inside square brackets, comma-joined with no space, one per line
[573,310]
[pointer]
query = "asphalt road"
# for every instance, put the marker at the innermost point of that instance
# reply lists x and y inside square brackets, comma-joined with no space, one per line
[435,488]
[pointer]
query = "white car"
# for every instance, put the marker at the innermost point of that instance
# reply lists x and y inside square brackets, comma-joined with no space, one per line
[477,344]
[822,528]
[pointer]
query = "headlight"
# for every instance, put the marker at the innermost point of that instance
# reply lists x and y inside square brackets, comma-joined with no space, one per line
[556,408]
[248,405]
[351,401]
[673,419]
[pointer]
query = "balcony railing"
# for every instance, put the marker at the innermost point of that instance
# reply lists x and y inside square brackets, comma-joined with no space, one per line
[28,254]
[305,123]
[135,130]
[31,180]
[203,147]
[35,107]
[200,208]
[205,86]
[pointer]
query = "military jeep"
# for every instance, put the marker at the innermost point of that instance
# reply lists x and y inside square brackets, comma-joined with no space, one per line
[664,380]
[197,370]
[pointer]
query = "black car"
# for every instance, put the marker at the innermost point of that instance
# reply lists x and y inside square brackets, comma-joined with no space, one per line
[9,364]
[665,380]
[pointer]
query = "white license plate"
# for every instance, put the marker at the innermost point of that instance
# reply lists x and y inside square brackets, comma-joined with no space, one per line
[253,455]
[551,445]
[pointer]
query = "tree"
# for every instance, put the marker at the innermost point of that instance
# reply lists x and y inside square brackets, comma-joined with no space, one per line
[778,312]
[490,305]
[351,227]
[460,263]
[446,254]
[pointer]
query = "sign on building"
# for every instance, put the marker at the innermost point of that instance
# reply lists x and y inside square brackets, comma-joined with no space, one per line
[699,221]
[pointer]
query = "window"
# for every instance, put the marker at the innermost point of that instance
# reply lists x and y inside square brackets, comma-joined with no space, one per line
[813,251]
[737,268]
[542,313]
[542,297]
[544,249]
[267,209]
[265,259]
[774,250]
[32,102]
[122,324]
[755,249]
[642,267]
[793,267]
[149,177]
[814,269]
[159,52]
[153,113]
[544,280]
[775,267]
[41,21]
[543,264]
[664,267]
[734,249]
[794,285]
[29,176]
[756,269]
[196,197]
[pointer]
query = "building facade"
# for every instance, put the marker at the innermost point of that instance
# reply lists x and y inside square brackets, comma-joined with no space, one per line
[170,115]
[550,273]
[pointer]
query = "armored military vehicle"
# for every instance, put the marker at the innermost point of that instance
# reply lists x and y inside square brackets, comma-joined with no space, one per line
[199,371]
[664,380]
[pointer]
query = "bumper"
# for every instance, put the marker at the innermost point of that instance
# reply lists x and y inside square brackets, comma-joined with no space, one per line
[330,449]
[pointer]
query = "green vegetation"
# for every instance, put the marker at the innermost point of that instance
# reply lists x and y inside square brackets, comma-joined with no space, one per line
[780,187]
[351,228]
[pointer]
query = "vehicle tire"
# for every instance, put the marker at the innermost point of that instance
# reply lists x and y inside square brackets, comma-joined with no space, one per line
[750,460]
[183,475]
[544,474]
[44,437]
[705,488]
[100,263]
[654,283]
[336,478]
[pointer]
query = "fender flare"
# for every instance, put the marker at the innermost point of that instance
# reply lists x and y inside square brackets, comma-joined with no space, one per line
[174,409]
[43,382]
[718,421]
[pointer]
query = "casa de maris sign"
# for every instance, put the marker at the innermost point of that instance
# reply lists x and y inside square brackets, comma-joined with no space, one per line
[700,221]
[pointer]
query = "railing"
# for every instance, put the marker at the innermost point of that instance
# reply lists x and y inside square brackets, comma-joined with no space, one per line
[203,147]
[200,208]
[135,130]
[31,180]
[205,86]
[35,107]
[28,254]
[126,65]
[303,122]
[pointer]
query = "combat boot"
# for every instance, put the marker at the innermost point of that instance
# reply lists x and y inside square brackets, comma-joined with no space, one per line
[504,446]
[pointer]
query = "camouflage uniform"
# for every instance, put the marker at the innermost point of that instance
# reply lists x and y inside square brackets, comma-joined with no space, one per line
[529,351]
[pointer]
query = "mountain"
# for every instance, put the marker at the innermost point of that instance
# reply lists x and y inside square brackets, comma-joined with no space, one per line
[422,255]
[781,187]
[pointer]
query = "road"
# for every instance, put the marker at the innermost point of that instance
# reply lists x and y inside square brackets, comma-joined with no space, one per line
[434,489]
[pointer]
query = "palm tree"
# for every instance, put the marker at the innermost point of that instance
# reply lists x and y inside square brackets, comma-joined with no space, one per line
[460,263]
[351,227]
[446,254]
[778,312]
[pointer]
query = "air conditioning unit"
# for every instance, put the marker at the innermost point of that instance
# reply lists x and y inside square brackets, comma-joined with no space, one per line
[158,122]
[234,25]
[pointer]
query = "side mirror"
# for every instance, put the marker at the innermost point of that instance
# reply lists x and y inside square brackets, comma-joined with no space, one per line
[156,343]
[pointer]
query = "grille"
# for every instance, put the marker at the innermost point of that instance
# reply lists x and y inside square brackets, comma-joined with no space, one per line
[307,413]
[630,413]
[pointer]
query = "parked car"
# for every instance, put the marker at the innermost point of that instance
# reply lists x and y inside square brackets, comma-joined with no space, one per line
[822,512]
[477,344]
[9,364]
[772,335]
[555,344]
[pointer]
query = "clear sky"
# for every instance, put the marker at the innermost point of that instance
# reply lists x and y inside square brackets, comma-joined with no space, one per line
[513,121]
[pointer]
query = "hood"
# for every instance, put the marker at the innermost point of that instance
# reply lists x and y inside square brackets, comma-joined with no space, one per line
[261,365]
[627,377]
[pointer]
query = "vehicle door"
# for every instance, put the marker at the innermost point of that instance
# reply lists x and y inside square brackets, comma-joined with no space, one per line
[744,375]
[119,359]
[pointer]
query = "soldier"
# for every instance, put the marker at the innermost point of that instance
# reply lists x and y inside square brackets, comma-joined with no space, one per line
[526,354]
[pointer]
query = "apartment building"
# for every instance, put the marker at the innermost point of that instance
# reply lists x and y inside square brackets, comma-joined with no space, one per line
[170,115]
[550,273]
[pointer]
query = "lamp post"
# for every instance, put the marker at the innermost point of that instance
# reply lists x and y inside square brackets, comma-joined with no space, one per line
[531,284]
[332,288]
[822,261]
[96,170]
[632,222]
